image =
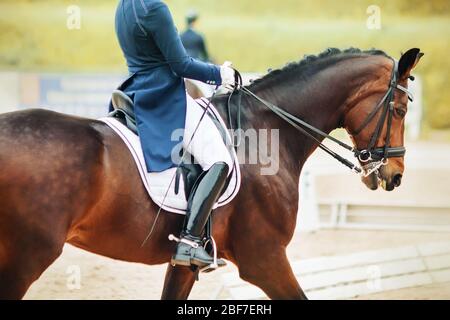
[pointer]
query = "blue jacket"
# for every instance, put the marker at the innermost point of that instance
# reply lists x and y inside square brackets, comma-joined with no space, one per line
[157,62]
[195,44]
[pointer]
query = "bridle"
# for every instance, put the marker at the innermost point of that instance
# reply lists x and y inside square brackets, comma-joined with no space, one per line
[372,157]
[387,106]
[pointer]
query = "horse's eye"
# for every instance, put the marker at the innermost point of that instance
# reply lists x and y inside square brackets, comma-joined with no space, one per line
[401,112]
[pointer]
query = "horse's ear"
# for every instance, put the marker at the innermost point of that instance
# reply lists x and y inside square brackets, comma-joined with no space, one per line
[408,61]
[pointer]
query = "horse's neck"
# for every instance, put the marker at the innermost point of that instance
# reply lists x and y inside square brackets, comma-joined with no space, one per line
[318,101]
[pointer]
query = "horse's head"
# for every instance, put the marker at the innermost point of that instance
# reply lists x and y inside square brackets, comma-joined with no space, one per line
[376,121]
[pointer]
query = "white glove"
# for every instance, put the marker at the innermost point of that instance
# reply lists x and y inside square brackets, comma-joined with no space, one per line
[227,74]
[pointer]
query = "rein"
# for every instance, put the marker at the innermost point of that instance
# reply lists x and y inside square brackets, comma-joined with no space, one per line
[373,157]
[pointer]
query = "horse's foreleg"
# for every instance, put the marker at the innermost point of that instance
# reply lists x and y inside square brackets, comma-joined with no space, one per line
[271,271]
[178,283]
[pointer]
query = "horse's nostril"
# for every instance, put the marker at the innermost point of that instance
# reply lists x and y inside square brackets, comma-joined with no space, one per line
[397,180]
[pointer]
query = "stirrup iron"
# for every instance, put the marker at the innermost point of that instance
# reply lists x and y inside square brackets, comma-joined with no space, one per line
[213,266]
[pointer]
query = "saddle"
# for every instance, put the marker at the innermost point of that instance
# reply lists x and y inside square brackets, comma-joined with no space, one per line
[189,170]
[124,110]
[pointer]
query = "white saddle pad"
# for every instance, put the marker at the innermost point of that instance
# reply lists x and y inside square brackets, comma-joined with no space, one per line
[161,185]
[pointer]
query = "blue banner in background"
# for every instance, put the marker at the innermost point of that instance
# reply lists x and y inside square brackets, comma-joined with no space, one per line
[81,95]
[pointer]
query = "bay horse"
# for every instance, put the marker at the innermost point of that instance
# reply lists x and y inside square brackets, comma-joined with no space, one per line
[66,179]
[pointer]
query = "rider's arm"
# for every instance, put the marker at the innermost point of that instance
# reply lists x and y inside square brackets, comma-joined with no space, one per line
[159,23]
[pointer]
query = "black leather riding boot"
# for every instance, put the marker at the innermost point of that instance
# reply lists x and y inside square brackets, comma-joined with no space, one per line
[201,201]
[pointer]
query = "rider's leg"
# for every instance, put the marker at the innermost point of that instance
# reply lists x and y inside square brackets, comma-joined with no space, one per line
[210,151]
[201,201]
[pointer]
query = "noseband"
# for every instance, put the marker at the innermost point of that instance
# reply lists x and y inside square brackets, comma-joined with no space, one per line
[373,157]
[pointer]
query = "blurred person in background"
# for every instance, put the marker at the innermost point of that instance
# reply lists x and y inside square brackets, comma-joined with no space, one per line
[158,63]
[193,41]
[195,45]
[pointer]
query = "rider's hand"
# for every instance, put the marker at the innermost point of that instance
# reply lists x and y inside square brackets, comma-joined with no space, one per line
[227,74]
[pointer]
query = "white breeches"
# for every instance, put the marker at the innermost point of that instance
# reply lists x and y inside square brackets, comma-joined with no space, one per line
[207,146]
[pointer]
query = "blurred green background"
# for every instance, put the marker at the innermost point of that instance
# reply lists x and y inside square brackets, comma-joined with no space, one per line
[255,35]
